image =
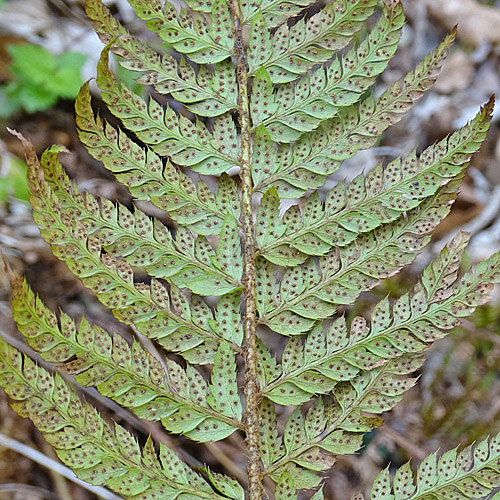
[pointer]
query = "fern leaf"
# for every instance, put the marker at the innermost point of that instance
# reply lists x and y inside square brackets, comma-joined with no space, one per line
[382,196]
[259,44]
[142,171]
[275,12]
[99,452]
[147,307]
[199,424]
[313,99]
[382,387]
[185,143]
[229,487]
[318,495]
[415,322]
[127,374]
[168,135]
[206,93]
[227,322]
[141,241]
[268,369]
[269,443]
[346,272]
[236,268]
[306,453]
[228,258]
[270,229]
[340,419]
[442,272]
[297,49]
[319,154]
[191,35]
[471,473]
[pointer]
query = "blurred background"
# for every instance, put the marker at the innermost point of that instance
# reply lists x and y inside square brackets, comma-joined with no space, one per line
[48,49]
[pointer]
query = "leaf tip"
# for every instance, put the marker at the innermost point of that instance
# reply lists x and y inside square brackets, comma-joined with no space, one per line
[488,108]
[29,149]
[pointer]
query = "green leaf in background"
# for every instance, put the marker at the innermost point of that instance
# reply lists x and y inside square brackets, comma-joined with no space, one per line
[40,78]
[67,80]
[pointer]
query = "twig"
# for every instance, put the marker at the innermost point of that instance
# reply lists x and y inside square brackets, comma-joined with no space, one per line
[45,461]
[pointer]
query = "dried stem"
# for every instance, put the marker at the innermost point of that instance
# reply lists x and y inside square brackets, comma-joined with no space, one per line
[252,390]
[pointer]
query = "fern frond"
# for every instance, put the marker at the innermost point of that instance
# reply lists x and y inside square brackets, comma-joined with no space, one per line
[190,34]
[285,487]
[99,452]
[208,93]
[381,197]
[275,12]
[145,242]
[149,307]
[295,50]
[273,99]
[185,143]
[301,107]
[381,388]
[316,155]
[339,422]
[340,354]
[471,473]
[304,452]
[376,384]
[127,374]
[143,172]
[224,397]
[346,272]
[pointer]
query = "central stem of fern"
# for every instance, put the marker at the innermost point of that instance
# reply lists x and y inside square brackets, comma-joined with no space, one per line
[252,390]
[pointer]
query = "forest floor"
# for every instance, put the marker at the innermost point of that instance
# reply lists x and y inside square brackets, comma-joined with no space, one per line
[457,399]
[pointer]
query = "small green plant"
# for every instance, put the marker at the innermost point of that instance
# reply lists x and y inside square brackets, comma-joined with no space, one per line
[39,79]
[286,109]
